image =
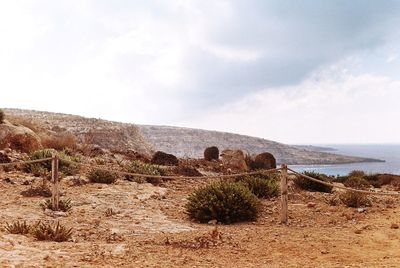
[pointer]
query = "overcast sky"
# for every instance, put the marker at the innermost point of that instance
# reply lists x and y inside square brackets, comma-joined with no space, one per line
[290,71]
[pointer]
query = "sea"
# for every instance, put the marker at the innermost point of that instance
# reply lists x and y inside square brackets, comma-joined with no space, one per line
[388,152]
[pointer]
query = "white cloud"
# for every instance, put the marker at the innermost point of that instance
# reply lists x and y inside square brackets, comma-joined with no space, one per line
[352,109]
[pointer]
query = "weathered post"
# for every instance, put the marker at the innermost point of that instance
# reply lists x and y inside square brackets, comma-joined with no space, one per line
[284,194]
[55,193]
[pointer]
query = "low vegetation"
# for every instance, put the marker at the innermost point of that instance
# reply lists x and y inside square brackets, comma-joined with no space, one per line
[313,186]
[357,183]
[47,231]
[64,205]
[18,227]
[102,176]
[355,199]
[225,202]
[140,167]
[60,142]
[260,186]
[65,168]
[40,190]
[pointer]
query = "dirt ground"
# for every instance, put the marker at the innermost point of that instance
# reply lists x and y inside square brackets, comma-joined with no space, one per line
[150,229]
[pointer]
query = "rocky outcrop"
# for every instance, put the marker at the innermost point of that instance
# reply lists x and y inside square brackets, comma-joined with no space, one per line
[18,137]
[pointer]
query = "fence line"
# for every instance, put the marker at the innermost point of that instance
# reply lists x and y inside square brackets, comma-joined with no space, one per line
[171,177]
[25,162]
[343,187]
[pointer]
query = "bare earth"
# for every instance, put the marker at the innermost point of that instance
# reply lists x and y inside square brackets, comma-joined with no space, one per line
[150,229]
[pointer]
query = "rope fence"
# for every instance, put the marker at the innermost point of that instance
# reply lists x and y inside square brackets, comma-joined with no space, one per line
[343,187]
[171,177]
[284,174]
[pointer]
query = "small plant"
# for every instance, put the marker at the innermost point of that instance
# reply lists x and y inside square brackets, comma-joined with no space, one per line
[357,173]
[139,167]
[224,202]
[63,205]
[355,199]
[64,167]
[18,227]
[57,233]
[2,116]
[310,185]
[102,176]
[260,186]
[357,183]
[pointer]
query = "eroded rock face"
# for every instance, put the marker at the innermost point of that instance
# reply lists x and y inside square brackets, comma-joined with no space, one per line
[234,159]
[211,153]
[263,161]
[18,138]
[161,158]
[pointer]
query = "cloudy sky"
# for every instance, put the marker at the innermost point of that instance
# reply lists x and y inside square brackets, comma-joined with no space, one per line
[291,71]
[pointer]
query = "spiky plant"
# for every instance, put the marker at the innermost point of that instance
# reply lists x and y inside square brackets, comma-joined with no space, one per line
[57,233]
[18,227]
[63,205]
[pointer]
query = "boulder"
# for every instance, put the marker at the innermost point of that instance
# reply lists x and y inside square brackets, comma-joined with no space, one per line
[161,158]
[18,137]
[263,161]
[211,153]
[234,159]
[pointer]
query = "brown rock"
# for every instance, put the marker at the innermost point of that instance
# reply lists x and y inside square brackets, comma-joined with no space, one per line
[211,153]
[394,226]
[264,161]
[311,205]
[234,159]
[161,158]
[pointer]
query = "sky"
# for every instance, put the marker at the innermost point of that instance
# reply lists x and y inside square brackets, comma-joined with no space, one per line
[299,72]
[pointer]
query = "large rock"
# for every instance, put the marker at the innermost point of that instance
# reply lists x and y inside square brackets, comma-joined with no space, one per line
[263,161]
[211,153]
[18,137]
[234,159]
[161,158]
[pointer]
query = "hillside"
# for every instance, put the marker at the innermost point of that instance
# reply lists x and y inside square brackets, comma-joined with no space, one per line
[186,142]
[182,142]
[106,134]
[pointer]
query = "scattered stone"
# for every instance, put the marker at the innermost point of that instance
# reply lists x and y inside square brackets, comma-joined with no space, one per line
[361,210]
[311,205]
[213,222]
[358,231]
[55,214]
[394,226]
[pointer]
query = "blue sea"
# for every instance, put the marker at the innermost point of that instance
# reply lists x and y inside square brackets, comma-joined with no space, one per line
[388,152]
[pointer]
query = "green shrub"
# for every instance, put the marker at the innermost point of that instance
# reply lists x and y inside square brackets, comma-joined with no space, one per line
[357,183]
[224,202]
[58,233]
[63,205]
[102,176]
[261,186]
[355,200]
[310,185]
[2,116]
[357,173]
[139,167]
[18,227]
[64,167]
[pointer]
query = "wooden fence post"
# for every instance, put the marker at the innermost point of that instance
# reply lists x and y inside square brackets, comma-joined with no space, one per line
[55,191]
[284,194]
